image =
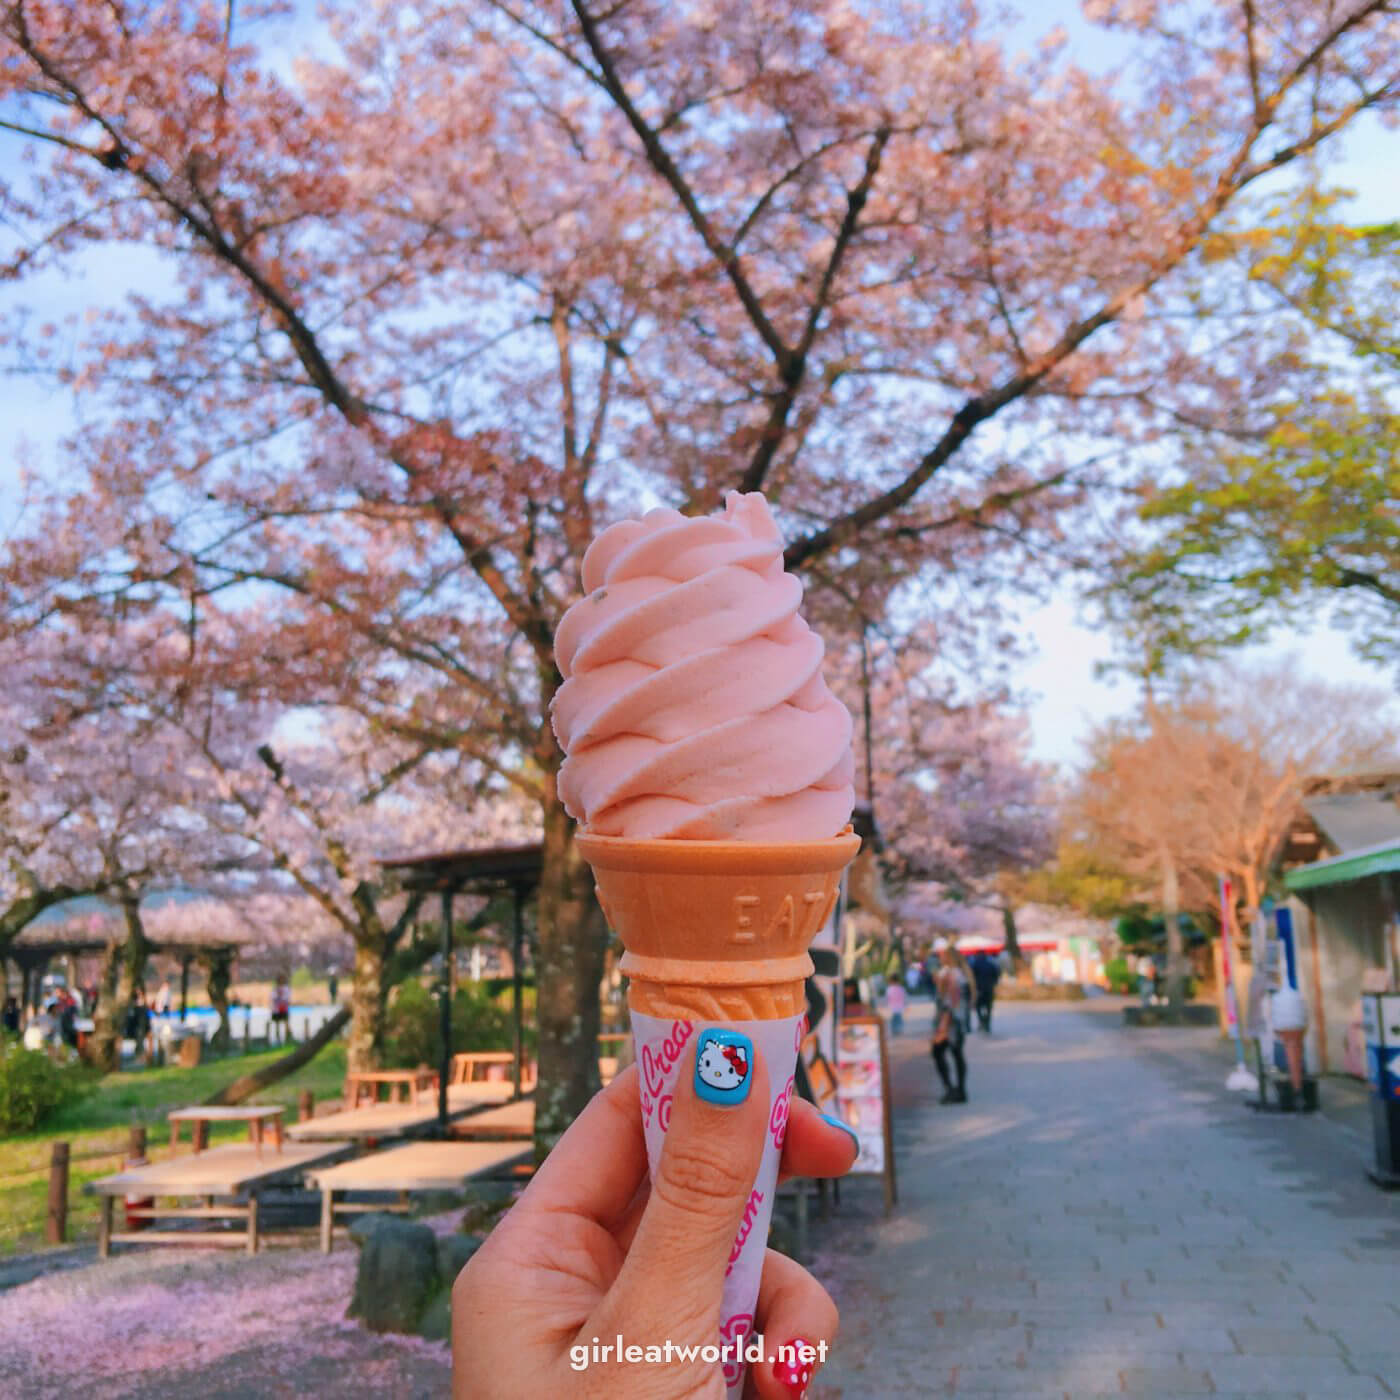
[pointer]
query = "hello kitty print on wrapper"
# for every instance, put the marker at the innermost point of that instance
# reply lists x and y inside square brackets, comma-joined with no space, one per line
[662,1047]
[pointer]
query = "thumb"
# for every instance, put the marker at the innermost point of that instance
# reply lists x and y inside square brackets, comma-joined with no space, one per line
[674,1272]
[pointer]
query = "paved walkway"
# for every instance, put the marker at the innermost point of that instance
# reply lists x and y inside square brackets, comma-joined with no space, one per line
[1104,1219]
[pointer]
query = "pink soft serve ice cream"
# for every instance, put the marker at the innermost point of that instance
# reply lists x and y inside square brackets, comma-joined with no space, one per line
[693,703]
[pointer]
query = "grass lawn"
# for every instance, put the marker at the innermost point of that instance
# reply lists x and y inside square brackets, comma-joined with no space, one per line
[96,1130]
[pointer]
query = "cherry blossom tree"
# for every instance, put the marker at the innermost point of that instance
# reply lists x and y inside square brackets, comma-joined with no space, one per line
[465,280]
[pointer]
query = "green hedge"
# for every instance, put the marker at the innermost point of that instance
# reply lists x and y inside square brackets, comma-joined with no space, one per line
[479,1022]
[1121,977]
[32,1086]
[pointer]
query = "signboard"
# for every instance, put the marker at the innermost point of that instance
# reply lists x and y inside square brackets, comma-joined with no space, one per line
[863,1096]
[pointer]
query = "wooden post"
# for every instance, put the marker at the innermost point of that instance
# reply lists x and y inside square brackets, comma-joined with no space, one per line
[104,1227]
[56,1225]
[306,1106]
[445,1014]
[516,993]
[252,1224]
[327,1218]
[136,1142]
[184,987]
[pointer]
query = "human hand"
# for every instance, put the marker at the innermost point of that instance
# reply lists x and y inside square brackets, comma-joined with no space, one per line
[591,1251]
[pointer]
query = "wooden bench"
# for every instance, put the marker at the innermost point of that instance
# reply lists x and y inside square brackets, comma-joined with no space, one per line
[510,1122]
[384,1122]
[416,1166]
[236,1173]
[257,1116]
[363,1086]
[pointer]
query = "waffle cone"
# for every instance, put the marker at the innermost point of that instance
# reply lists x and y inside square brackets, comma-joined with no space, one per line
[717,930]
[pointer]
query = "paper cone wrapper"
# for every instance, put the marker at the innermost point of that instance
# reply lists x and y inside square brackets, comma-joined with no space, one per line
[716,934]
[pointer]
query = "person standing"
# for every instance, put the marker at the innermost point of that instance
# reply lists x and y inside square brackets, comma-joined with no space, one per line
[986,973]
[281,1011]
[1289,1015]
[163,998]
[948,1025]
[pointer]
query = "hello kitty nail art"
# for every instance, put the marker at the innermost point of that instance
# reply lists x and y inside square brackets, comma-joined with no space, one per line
[723,1066]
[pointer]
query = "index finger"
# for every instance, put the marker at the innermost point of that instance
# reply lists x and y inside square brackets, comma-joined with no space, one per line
[596,1168]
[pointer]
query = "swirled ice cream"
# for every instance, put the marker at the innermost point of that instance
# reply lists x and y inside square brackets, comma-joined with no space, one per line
[693,704]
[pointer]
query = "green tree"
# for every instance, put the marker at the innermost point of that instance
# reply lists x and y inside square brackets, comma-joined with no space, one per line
[1304,510]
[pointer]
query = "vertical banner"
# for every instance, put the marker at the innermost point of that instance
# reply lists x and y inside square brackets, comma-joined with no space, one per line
[1283,926]
[1227,959]
[863,1098]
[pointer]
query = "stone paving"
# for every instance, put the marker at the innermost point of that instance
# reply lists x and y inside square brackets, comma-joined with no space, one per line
[1103,1218]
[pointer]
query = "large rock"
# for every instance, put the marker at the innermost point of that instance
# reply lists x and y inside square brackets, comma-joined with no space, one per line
[453,1251]
[486,1201]
[398,1272]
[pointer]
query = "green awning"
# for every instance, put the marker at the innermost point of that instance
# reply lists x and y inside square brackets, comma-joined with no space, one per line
[1375,860]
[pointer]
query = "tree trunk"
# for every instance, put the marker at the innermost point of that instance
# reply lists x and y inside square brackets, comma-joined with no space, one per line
[125,972]
[218,973]
[569,972]
[1009,934]
[246,1085]
[369,989]
[106,1016]
[1176,965]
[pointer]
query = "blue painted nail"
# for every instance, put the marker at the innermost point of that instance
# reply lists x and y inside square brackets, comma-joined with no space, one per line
[845,1127]
[723,1066]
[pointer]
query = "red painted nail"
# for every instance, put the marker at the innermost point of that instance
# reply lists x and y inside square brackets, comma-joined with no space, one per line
[793,1372]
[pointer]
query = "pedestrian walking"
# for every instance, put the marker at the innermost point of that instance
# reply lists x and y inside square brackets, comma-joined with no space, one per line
[894,1004]
[948,1025]
[1147,978]
[964,971]
[986,973]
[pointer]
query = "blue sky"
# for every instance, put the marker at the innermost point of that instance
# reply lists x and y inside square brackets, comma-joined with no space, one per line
[1064,693]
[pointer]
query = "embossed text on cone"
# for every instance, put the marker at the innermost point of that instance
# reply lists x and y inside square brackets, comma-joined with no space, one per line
[717,930]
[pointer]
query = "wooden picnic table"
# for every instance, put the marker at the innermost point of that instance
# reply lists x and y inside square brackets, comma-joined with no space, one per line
[257,1116]
[404,1085]
[416,1166]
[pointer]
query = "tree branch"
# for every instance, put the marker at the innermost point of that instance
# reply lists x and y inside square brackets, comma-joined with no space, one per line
[662,163]
[791,373]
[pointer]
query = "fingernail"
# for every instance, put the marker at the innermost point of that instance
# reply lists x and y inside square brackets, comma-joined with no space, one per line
[845,1127]
[793,1369]
[723,1066]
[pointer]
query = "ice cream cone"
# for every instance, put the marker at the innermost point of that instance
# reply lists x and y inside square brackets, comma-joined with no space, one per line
[717,930]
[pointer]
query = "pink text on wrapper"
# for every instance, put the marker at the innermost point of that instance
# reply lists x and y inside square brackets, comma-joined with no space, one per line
[657,1066]
[745,1230]
[659,1063]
